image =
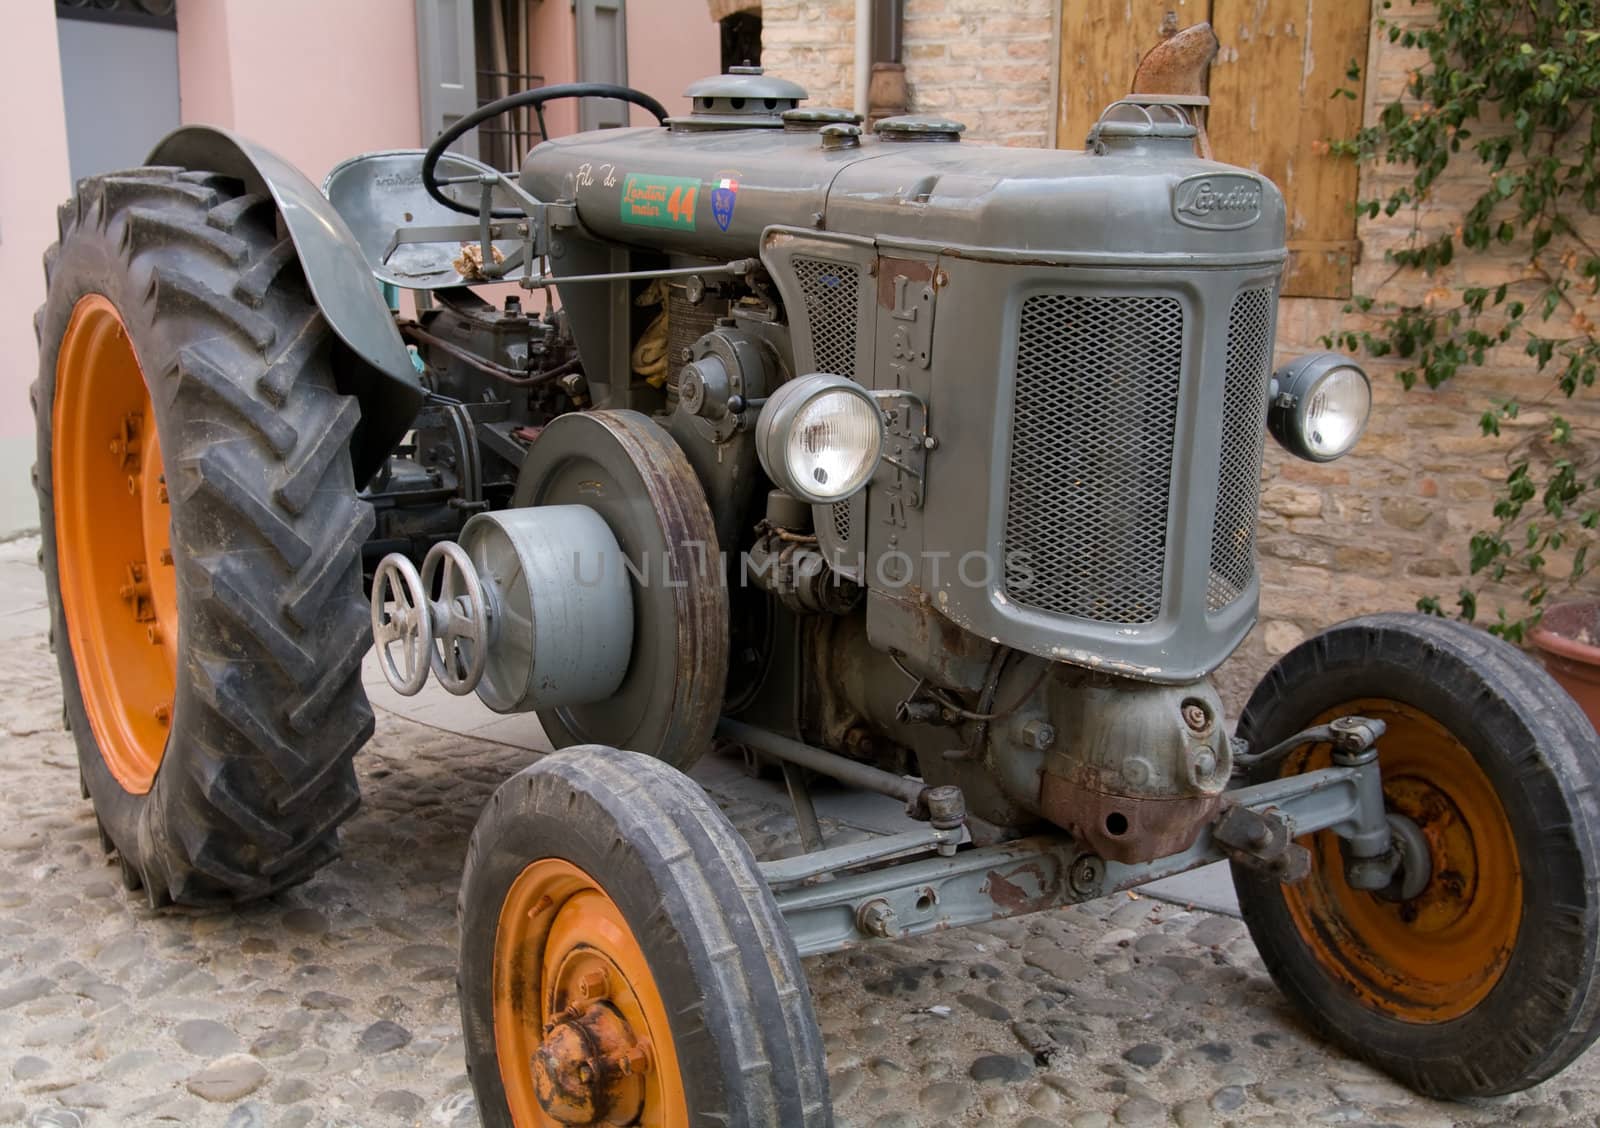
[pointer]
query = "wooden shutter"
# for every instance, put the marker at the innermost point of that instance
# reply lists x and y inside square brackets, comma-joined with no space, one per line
[1273,110]
[446,70]
[1272,104]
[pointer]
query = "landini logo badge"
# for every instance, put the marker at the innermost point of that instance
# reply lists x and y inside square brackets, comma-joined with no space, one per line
[1220,201]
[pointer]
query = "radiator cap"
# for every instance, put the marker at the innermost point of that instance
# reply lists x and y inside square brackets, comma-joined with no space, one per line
[920,127]
[815,117]
[744,98]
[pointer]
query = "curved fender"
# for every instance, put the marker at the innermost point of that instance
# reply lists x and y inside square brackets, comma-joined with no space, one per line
[381,376]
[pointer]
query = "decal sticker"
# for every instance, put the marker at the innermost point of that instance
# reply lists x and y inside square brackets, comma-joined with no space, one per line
[588,170]
[659,201]
[723,197]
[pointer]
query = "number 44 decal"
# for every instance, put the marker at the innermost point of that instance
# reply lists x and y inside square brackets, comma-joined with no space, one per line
[660,201]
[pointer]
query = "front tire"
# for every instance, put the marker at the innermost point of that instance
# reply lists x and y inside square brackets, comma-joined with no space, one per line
[1485,982]
[622,961]
[201,536]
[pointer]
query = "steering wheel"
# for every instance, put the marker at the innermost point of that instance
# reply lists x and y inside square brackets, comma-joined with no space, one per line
[536,98]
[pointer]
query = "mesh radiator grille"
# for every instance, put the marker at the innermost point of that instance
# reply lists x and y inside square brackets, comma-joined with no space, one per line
[830,290]
[1244,415]
[1091,455]
[841,522]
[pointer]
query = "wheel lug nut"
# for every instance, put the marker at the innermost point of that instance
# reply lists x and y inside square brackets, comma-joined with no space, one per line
[133,484]
[593,985]
[636,1059]
[153,633]
[166,556]
[163,715]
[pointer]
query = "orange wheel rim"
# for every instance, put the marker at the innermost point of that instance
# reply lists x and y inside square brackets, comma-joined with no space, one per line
[580,1027]
[119,588]
[1435,957]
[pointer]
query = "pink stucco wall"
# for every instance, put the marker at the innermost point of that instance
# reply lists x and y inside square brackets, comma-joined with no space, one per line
[314,81]
[33,134]
[670,44]
[553,47]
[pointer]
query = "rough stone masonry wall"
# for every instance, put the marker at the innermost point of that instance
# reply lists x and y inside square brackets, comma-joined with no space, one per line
[1372,532]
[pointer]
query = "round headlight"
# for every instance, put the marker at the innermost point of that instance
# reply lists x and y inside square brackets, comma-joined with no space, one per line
[1320,406]
[820,438]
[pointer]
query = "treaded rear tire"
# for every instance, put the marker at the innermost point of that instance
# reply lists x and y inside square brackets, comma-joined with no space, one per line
[1542,757]
[749,1048]
[267,528]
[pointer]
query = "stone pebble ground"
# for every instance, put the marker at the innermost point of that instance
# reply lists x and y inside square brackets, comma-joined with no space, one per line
[334,1004]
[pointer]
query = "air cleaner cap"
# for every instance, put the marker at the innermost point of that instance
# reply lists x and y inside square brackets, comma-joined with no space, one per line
[744,98]
[746,82]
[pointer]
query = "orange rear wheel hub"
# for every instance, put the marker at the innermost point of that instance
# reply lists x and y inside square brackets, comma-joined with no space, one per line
[580,1027]
[1435,956]
[118,584]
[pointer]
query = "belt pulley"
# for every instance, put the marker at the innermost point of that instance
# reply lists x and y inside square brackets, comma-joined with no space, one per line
[598,600]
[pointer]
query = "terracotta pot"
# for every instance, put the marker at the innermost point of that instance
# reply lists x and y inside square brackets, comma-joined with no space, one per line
[1568,639]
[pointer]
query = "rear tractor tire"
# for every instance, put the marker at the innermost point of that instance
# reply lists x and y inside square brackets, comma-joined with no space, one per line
[622,961]
[202,536]
[1482,975]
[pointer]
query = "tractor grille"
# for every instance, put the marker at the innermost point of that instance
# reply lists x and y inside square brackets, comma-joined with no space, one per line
[1091,455]
[1244,413]
[830,292]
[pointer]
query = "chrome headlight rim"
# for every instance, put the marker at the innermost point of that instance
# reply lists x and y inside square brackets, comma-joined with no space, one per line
[775,425]
[1294,386]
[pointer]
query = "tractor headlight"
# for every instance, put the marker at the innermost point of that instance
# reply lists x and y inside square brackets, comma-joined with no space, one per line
[820,438]
[1320,404]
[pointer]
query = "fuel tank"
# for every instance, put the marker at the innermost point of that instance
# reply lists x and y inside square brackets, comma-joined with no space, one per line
[710,183]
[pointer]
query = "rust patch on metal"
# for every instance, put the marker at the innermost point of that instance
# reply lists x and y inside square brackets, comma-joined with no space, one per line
[1179,63]
[912,270]
[1125,828]
[1013,898]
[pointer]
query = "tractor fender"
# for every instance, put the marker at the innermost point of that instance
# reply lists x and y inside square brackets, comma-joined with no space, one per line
[379,372]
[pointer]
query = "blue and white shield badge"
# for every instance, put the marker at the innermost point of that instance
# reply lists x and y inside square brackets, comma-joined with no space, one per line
[723,197]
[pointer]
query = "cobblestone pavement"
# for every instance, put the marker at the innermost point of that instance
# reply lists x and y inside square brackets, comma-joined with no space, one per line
[334,1004]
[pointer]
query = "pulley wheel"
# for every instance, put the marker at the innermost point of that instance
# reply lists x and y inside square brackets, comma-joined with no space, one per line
[460,642]
[629,471]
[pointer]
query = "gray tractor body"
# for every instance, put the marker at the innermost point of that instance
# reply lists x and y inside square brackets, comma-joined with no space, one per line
[1091,334]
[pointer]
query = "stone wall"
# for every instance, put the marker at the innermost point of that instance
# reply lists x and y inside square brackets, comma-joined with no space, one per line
[983,62]
[1372,532]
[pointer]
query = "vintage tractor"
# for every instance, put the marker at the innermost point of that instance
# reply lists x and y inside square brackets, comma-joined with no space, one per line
[882,456]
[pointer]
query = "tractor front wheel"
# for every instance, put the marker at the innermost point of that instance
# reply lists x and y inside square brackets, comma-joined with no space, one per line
[1480,976]
[201,536]
[622,961]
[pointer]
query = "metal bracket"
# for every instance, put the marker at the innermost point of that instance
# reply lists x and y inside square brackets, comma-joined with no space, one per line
[906,443]
[833,859]
[925,894]
[1260,839]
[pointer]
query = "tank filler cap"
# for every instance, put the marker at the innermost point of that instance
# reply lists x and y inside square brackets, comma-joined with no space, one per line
[815,117]
[919,127]
[744,98]
[840,135]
